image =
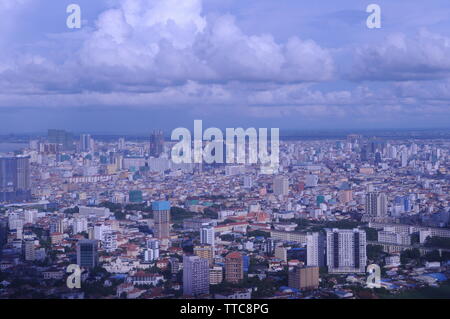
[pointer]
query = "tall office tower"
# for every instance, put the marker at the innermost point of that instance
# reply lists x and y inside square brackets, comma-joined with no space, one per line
[280,186]
[315,249]
[205,252]
[304,278]
[15,179]
[195,276]
[61,137]
[87,255]
[207,235]
[156,143]
[376,204]
[234,267]
[346,250]
[86,143]
[29,250]
[161,217]
[121,144]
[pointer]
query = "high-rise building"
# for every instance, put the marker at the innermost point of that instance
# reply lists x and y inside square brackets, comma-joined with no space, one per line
[14,179]
[280,186]
[376,204]
[207,235]
[152,251]
[234,267]
[121,144]
[87,255]
[60,137]
[29,250]
[195,276]
[86,143]
[215,275]
[156,143]
[161,216]
[80,224]
[205,252]
[315,249]
[346,250]
[304,278]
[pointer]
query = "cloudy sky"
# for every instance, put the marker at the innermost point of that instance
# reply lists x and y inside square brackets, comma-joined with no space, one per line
[140,64]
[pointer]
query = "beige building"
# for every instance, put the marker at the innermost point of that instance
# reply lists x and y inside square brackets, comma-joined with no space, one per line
[234,267]
[215,275]
[304,278]
[205,252]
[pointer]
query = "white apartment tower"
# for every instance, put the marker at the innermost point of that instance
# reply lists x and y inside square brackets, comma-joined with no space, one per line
[346,250]
[315,249]
[195,276]
[376,204]
[207,235]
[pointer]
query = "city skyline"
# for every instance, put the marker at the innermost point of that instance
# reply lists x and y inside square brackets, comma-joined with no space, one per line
[308,66]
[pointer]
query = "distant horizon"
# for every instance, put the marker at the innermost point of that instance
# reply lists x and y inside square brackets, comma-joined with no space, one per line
[284,132]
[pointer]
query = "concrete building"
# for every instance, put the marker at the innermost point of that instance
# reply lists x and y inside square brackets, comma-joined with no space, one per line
[207,235]
[195,276]
[315,249]
[161,216]
[87,255]
[346,250]
[234,267]
[304,278]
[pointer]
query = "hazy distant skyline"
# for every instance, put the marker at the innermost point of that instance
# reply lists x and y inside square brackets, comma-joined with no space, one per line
[142,64]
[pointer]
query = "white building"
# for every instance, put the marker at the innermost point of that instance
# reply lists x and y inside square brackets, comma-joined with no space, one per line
[207,235]
[346,250]
[315,249]
[195,276]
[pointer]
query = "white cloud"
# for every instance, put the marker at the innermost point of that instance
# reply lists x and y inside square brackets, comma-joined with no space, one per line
[400,57]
